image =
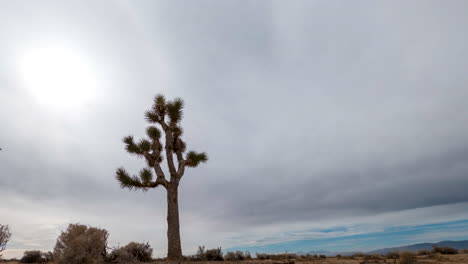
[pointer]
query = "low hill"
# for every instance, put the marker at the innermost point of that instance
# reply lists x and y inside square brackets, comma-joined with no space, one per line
[415,247]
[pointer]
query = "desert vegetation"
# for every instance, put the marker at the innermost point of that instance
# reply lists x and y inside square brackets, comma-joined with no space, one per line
[37,256]
[444,250]
[81,244]
[5,236]
[131,253]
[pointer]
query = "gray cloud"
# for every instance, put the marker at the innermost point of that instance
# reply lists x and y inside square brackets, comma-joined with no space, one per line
[308,110]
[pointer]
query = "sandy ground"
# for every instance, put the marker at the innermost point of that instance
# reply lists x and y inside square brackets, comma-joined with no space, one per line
[441,259]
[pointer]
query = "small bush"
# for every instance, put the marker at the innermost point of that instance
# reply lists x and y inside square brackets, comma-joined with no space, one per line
[214,254]
[408,258]
[237,256]
[5,236]
[322,256]
[444,250]
[347,257]
[80,244]
[282,256]
[374,256]
[140,252]
[200,253]
[48,257]
[392,255]
[240,255]
[423,252]
[262,256]
[33,256]
[230,256]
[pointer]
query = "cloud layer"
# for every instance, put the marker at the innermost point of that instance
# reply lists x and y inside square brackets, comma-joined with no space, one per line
[310,111]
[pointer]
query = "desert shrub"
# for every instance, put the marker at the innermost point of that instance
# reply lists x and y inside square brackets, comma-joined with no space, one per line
[214,254]
[33,256]
[48,257]
[262,256]
[338,256]
[140,252]
[358,255]
[81,244]
[240,255]
[307,256]
[288,256]
[373,256]
[423,252]
[36,256]
[230,256]
[463,251]
[236,256]
[444,250]
[5,236]
[322,256]
[200,253]
[247,255]
[347,257]
[392,255]
[408,257]
[439,257]
[281,256]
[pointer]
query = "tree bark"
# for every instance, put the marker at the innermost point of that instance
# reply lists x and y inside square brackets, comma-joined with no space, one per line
[174,250]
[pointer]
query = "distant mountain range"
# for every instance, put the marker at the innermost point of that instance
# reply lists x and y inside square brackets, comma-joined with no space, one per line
[453,244]
[415,247]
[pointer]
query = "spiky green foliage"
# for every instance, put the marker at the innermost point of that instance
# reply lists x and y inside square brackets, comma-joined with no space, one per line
[153,133]
[194,158]
[130,145]
[151,117]
[174,110]
[179,145]
[144,145]
[177,131]
[127,181]
[146,176]
[151,148]
[160,104]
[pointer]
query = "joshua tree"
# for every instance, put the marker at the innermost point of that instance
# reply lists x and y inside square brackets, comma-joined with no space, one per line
[5,235]
[167,115]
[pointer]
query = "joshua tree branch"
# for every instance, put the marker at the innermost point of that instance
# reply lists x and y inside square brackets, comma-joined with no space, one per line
[161,179]
[170,153]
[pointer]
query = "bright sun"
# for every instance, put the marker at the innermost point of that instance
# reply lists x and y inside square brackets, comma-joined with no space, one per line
[58,77]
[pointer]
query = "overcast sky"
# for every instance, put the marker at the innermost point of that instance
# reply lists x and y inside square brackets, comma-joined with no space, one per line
[322,119]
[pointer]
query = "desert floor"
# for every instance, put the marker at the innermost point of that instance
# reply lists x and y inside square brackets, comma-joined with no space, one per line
[440,259]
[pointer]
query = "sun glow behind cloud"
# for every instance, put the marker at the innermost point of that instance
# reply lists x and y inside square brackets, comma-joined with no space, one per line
[58,76]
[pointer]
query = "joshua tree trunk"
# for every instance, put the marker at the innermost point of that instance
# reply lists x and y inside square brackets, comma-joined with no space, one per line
[174,250]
